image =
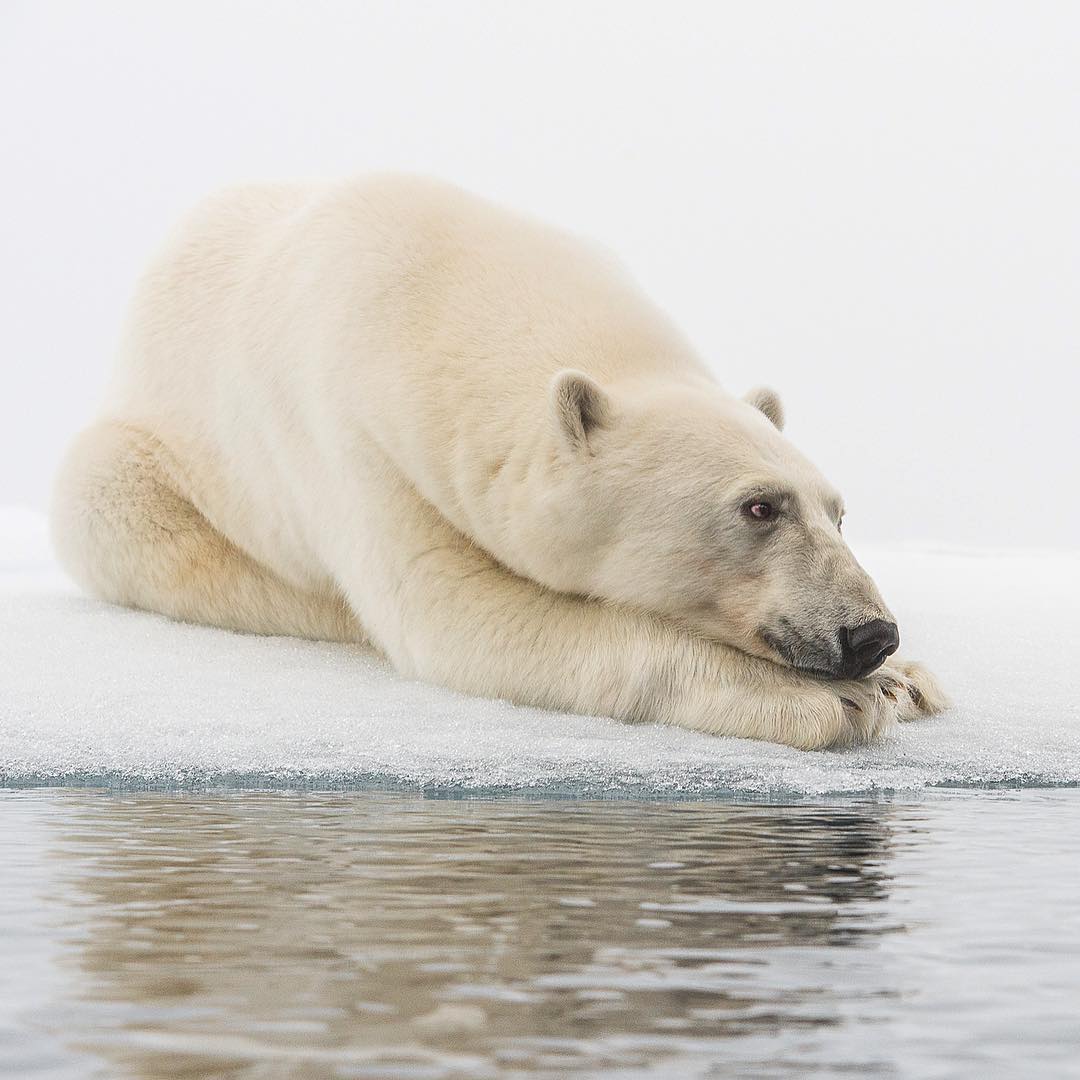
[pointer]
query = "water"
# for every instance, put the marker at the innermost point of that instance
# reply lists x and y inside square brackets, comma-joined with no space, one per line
[385,934]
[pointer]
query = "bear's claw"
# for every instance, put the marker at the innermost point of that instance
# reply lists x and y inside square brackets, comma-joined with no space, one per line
[896,693]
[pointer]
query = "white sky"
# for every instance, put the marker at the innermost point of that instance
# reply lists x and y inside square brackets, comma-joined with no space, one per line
[874,207]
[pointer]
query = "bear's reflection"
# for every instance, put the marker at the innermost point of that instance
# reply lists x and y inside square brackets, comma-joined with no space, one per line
[266,935]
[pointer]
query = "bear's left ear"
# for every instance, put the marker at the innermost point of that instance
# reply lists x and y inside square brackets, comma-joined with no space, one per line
[768,402]
[580,406]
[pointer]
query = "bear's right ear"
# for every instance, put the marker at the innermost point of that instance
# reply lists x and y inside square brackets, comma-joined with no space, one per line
[768,402]
[580,406]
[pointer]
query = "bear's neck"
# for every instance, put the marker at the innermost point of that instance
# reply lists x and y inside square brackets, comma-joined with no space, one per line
[520,507]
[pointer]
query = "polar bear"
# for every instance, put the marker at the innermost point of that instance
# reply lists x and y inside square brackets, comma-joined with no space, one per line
[386,411]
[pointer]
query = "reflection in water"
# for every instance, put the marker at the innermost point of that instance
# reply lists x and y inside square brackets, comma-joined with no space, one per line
[274,935]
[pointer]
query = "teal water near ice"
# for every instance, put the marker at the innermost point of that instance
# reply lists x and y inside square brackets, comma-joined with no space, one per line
[380,934]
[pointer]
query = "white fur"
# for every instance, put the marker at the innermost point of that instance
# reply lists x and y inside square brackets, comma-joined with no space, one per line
[385,410]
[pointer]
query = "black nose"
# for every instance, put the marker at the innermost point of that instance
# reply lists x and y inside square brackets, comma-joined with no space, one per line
[866,646]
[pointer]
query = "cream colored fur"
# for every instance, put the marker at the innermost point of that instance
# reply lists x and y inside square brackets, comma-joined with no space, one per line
[387,411]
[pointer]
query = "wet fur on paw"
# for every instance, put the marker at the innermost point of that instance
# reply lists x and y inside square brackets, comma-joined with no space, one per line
[898,692]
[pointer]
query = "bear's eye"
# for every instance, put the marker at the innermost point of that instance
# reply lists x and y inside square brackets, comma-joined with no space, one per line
[760,509]
[840,526]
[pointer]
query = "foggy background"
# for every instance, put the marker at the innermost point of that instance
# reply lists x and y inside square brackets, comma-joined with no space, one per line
[873,207]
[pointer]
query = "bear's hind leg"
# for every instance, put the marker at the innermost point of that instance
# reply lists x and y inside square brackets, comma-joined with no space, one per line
[124,530]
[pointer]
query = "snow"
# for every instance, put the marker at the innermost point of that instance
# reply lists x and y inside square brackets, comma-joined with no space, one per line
[94,694]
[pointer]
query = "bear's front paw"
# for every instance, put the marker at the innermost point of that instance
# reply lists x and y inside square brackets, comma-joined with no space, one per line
[916,691]
[757,699]
[895,693]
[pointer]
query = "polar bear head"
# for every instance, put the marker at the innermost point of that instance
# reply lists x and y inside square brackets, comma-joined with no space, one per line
[677,498]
